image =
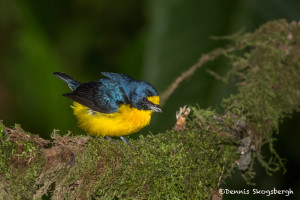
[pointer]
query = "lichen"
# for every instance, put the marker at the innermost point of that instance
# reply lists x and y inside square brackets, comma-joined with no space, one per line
[269,87]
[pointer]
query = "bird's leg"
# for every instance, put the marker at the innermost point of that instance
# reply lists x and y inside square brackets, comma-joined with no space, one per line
[125,141]
[111,140]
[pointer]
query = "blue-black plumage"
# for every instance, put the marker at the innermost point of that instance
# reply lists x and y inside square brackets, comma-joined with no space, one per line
[107,94]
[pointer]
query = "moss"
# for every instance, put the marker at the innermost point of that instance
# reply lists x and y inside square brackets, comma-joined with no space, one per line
[7,148]
[20,163]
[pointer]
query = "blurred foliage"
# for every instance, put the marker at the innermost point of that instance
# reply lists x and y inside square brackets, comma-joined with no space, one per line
[179,33]
[151,40]
[79,38]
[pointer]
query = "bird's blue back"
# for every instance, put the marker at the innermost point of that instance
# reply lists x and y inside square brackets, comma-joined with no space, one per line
[107,94]
[131,86]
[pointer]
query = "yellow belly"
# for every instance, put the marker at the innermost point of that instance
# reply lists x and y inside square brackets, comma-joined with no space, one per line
[125,121]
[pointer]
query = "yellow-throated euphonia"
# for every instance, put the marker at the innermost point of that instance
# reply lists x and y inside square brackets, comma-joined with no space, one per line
[114,106]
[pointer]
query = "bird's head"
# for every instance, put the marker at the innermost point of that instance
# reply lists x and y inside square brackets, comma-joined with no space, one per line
[145,97]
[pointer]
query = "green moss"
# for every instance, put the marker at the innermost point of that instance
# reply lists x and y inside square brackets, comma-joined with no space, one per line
[20,165]
[7,148]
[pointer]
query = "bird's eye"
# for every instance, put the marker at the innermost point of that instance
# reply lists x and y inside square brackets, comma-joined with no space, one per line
[144,100]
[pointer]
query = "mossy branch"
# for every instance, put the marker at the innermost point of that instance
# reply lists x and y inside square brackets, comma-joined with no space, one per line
[182,164]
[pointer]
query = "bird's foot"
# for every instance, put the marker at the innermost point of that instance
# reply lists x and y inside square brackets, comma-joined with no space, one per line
[125,141]
[111,140]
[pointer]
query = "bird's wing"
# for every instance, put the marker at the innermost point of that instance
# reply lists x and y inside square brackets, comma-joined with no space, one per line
[103,96]
[119,78]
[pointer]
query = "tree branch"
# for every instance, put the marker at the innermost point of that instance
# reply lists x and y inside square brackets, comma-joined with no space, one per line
[186,74]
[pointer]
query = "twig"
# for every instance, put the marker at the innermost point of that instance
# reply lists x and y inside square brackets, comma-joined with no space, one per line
[203,59]
[181,116]
[222,172]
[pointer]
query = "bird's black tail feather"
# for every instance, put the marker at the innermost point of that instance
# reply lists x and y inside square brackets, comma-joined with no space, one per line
[72,83]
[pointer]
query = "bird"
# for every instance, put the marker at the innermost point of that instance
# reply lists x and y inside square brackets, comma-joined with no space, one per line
[114,106]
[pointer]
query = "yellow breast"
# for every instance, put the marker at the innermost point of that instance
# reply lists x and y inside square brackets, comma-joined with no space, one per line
[125,121]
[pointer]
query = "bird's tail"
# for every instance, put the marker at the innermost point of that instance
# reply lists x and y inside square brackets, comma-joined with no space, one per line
[72,83]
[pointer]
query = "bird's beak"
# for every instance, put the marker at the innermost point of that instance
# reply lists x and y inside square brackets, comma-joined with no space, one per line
[155,108]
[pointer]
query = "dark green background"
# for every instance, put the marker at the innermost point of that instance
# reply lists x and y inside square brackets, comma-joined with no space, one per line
[151,40]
